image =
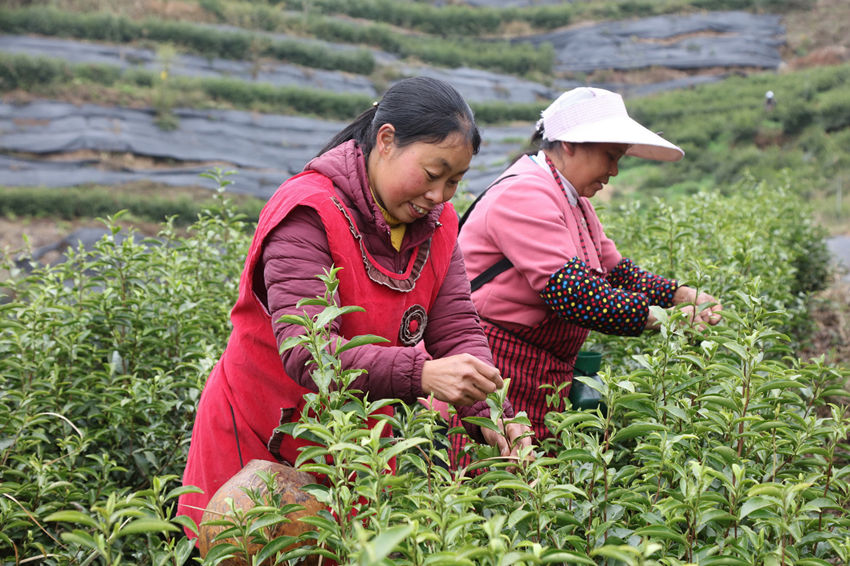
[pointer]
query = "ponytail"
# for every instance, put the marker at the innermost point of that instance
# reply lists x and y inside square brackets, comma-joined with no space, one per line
[358,130]
[538,138]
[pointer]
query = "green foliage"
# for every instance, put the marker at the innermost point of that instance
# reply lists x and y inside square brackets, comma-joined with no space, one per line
[102,359]
[285,99]
[450,20]
[727,135]
[499,112]
[446,21]
[38,74]
[707,229]
[500,55]
[21,71]
[88,202]
[718,447]
[201,39]
[454,51]
[27,73]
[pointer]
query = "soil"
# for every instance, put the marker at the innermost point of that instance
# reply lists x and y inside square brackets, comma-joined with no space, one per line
[831,312]
[19,235]
[16,235]
[817,35]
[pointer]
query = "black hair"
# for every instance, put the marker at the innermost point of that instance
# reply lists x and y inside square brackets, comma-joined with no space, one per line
[537,140]
[421,109]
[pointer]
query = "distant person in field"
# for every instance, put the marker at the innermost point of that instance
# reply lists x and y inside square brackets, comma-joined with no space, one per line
[543,272]
[769,101]
[374,202]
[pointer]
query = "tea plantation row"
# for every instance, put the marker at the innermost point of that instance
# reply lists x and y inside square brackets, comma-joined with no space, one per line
[718,448]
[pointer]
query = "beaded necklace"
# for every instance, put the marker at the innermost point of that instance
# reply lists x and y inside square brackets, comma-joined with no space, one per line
[560,183]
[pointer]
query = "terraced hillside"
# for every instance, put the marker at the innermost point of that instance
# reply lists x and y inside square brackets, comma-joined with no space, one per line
[105,94]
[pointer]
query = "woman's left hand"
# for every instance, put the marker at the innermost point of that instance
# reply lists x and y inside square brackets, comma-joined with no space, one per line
[516,438]
[708,315]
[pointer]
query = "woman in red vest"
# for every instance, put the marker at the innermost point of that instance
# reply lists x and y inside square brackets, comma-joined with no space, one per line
[374,202]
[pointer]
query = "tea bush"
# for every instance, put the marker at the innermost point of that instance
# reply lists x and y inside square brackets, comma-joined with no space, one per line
[451,20]
[93,201]
[720,447]
[102,361]
[40,74]
[45,75]
[243,45]
[207,41]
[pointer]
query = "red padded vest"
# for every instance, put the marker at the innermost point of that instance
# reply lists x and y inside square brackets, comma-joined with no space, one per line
[249,386]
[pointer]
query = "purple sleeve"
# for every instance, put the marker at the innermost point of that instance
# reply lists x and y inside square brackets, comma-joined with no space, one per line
[454,328]
[578,295]
[659,290]
[294,253]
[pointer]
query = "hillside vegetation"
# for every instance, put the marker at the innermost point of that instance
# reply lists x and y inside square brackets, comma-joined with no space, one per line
[726,131]
[724,128]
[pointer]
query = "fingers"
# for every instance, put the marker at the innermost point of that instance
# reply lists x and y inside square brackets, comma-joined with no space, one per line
[460,380]
[703,310]
[519,436]
[503,446]
[712,314]
[488,372]
[515,440]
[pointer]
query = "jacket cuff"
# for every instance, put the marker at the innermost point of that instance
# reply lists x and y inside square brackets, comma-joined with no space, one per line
[659,290]
[420,356]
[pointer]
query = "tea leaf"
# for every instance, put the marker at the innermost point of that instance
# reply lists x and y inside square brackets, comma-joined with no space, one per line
[72,517]
[634,430]
[142,526]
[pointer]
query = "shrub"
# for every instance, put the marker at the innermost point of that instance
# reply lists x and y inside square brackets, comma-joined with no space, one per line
[20,71]
[834,109]
[201,39]
[717,448]
[445,21]
[102,360]
[89,202]
[24,72]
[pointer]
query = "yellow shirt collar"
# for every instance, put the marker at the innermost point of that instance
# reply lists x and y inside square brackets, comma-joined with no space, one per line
[397,227]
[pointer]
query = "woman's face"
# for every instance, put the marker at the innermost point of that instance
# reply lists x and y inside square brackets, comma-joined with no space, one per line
[409,181]
[590,165]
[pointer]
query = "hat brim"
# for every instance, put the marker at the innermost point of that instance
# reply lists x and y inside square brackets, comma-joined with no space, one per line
[621,129]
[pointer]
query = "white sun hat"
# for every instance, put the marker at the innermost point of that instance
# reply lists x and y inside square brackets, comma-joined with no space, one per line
[596,115]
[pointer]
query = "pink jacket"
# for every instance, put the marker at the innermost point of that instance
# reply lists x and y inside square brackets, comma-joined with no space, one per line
[527,218]
[298,249]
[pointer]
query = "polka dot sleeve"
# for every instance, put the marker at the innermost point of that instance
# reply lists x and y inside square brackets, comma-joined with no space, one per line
[659,290]
[576,293]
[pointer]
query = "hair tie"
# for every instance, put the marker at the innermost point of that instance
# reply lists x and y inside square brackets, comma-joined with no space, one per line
[375,104]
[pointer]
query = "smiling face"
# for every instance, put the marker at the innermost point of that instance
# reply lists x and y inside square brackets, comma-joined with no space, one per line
[409,181]
[589,166]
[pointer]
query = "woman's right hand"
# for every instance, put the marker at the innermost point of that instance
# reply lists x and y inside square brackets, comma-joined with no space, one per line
[461,380]
[697,318]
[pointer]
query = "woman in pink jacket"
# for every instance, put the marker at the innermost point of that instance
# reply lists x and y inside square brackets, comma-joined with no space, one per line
[373,202]
[544,274]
